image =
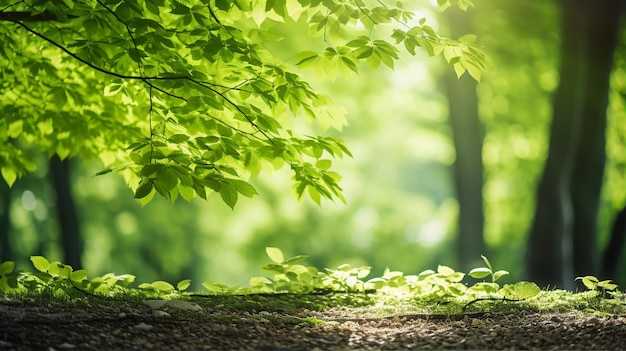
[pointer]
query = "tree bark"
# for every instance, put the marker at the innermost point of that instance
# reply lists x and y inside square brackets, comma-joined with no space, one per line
[467,135]
[566,206]
[67,215]
[590,160]
[614,253]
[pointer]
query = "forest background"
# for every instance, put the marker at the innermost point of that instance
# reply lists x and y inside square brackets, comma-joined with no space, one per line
[402,207]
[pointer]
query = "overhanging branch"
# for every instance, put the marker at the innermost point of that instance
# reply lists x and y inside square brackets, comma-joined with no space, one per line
[27,16]
[148,80]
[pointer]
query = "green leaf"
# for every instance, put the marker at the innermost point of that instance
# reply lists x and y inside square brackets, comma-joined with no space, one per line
[12,282]
[314,194]
[296,259]
[40,263]
[162,286]
[60,269]
[306,59]
[180,9]
[358,42]
[15,129]
[259,281]
[323,164]
[589,281]
[6,267]
[487,262]
[113,88]
[104,171]
[149,170]
[526,290]
[275,254]
[144,189]
[178,138]
[445,270]
[347,62]
[223,5]
[183,285]
[499,274]
[480,273]
[228,192]
[9,175]
[79,275]
[607,285]
[244,188]
[167,178]
[273,268]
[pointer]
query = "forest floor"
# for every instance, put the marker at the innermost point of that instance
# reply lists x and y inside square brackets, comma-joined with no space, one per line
[298,322]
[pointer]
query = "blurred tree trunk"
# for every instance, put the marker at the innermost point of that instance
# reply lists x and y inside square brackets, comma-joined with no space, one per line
[69,226]
[563,238]
[603,29]
[468,143]
[6,252]
[614,253]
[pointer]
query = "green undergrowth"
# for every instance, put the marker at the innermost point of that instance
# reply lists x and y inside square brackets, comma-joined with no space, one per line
[290,287]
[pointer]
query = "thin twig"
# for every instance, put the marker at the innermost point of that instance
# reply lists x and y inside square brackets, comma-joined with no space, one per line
[490,298]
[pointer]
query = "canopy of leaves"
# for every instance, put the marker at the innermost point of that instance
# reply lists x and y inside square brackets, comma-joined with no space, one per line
[182,97]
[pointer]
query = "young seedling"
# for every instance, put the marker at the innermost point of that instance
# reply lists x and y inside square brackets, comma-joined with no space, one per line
[482,272]
[602,288]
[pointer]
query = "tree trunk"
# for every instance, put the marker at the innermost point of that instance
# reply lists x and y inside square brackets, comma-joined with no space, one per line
[467,134]
[591,156]
[565,201]
[614,252]
[69,226]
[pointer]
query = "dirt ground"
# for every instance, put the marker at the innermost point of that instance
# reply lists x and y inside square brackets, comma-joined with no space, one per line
[156,325]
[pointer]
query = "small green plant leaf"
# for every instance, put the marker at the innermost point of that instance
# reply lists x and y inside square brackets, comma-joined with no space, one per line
[589,281]
[40,263]
[183,285]
[273,268]
[162,286]
[499,274]
[275,254]
[445,270]
[480,272]
[144,189]
[259,281]
[484,287]
[79,275]
[104,171]
[296,259]
[215,287]
[525,290]
[607,285]
[13,283]
[487,262]
[6,267]
[59,269]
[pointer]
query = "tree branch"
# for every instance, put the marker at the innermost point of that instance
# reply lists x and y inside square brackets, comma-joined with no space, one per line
[148,80]
[27,16]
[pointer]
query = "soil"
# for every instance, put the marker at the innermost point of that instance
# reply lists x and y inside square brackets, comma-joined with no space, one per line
[159,325]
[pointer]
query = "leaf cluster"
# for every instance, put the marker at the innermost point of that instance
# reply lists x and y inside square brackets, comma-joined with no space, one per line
[600,288]
[62,281]
[182,97]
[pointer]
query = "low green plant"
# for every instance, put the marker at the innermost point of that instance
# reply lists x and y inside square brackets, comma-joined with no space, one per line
[604,288]
[289,276]
[61,280]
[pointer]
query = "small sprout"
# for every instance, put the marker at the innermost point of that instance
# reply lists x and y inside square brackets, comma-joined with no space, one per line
[600,287]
